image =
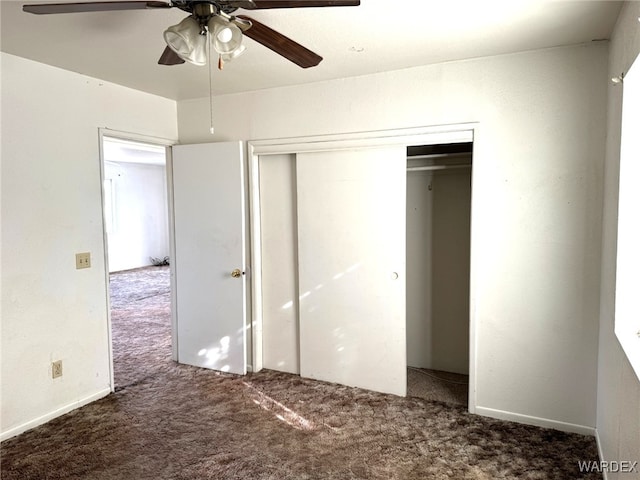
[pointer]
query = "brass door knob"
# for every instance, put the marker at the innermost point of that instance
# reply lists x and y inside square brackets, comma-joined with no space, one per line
[236,273]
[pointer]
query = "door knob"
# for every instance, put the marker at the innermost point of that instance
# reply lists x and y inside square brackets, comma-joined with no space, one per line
[236,273]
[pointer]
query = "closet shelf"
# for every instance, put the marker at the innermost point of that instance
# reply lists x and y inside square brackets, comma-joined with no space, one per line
[436,167]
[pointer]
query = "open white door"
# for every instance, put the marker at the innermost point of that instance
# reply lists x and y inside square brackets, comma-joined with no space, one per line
[209,259]
[351,240]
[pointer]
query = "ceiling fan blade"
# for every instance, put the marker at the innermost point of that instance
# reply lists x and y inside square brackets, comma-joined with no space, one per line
[47,8]
[263,4]
[280,44]
[169,57]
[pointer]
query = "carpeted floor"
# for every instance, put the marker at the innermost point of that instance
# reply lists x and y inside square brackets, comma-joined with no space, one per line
[438,386]
[170,421]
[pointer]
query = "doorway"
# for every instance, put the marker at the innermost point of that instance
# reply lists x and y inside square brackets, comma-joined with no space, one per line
[137,246]
[438,271]
[135,204]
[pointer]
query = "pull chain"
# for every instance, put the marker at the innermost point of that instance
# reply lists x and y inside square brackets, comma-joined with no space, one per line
[210,64]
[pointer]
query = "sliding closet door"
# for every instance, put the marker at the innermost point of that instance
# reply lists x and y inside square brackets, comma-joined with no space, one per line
[351,250]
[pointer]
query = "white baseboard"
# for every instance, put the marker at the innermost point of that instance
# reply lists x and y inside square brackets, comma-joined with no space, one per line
[12,432]
[601,455]
[536,421]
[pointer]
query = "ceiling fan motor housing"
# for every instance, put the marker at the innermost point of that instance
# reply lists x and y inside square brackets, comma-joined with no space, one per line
[205,8]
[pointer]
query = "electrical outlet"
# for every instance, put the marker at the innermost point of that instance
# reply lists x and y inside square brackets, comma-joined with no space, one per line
[83,260]
[56,369]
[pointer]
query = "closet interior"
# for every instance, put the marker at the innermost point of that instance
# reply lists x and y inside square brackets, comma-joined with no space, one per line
[438,262]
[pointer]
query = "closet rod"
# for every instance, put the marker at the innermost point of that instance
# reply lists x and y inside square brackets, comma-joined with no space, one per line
[431,156]
[436,167]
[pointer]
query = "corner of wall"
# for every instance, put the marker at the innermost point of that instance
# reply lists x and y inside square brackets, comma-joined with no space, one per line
[618,391]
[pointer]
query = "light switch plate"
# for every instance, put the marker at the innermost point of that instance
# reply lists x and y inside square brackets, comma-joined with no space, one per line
[83,260]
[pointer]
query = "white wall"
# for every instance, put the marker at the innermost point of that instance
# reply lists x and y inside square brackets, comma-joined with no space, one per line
[438,247]
[141,216]
[618,387]
[51,209]
[536,232]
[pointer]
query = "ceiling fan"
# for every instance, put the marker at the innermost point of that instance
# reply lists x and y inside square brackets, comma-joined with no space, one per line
[212,19]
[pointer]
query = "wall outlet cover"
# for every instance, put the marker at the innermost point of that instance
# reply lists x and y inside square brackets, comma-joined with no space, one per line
[56,369]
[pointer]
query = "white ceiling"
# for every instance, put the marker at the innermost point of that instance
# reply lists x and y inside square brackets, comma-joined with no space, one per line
[123,47]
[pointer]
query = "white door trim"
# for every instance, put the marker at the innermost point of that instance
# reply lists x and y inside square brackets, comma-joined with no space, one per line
[429,135]
[134,137]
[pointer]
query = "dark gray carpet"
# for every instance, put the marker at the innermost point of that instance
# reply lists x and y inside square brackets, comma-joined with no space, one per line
[169,421]
[438,386]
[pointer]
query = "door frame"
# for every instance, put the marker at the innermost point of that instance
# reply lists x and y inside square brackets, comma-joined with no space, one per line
[150,140]
[428,135]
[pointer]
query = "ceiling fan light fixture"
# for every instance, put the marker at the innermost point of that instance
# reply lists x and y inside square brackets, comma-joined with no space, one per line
[185,39]
[226,37]
[227,57]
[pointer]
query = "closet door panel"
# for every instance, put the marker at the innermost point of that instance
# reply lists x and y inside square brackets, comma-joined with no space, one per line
[351,248]
[279,240]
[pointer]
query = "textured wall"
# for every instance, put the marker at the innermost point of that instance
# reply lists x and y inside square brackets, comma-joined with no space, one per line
[51,209]
[438,224]
[141,216]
